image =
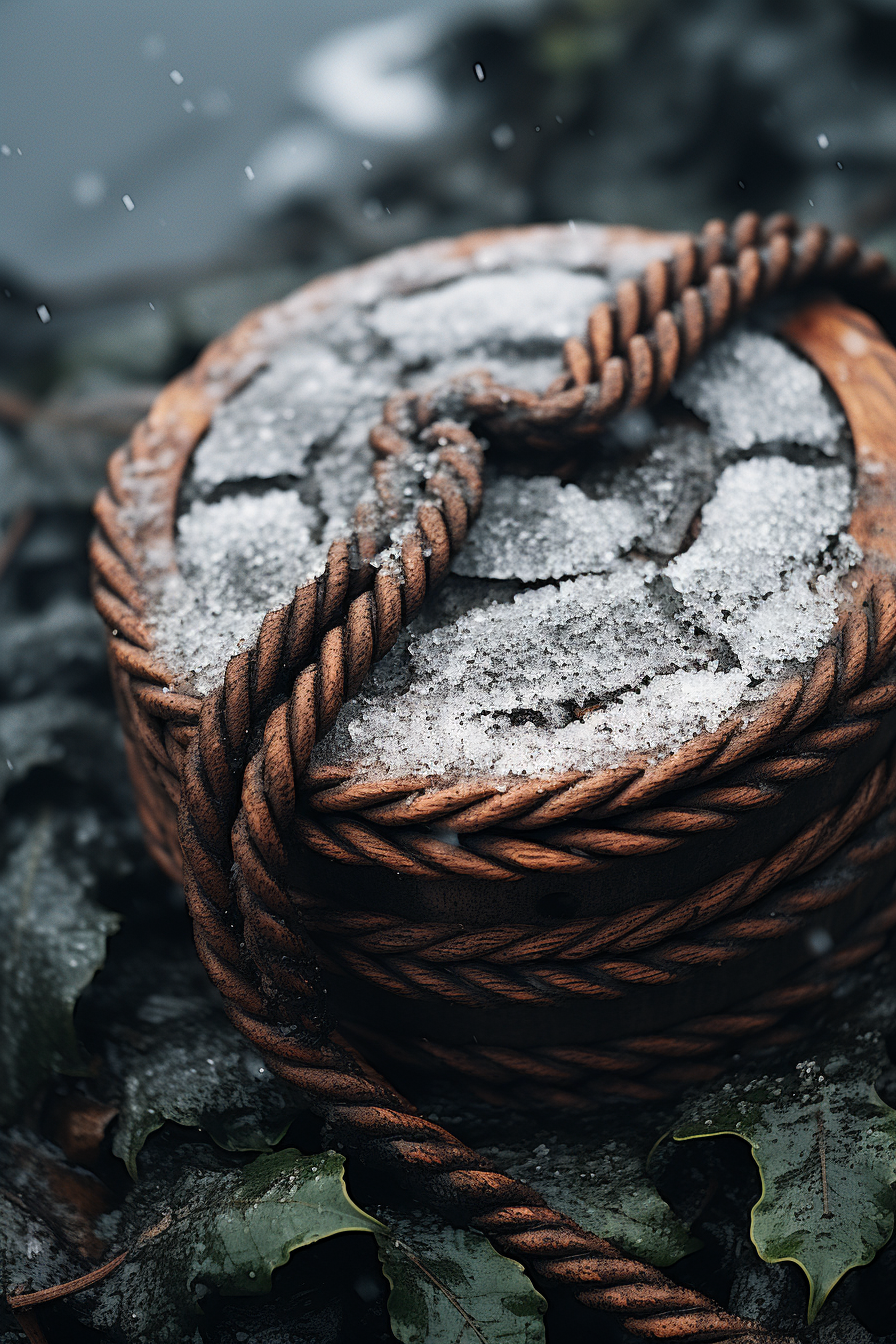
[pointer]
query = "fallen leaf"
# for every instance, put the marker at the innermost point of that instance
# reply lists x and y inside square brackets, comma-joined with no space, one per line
[202,1074]
[454,1286]
[53,943]
[222,1230]
[825,1145]
[31,1257]
[50,1212]
[606,1189]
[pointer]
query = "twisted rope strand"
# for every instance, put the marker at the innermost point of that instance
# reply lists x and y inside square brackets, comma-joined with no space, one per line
[380,1126]
[862,649]
[266,928]
[648,1067]
[786,258]
[481,967]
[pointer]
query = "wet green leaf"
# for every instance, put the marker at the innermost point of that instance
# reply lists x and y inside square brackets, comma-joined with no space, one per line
[201,1073]
[453,1286]
[825,1144]
[224,1230]
[52,943]
[606,1189]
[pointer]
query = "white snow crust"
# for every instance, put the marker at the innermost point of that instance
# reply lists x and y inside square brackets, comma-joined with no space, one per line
[654,655]
[488,313]
[672,585]
[238,559]
[752,388]
[540,529]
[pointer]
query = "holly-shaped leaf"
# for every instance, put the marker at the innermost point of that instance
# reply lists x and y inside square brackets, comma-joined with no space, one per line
[201,1073]
[223,1230]
[606,1189]
[454,1286]
[52,943]
[228,1230]
[825,1144]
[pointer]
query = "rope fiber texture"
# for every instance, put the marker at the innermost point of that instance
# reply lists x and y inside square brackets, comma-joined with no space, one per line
[236,766]
[651,943]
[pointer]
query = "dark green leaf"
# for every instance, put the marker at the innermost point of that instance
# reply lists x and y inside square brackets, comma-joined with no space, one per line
[825,1145]
[224,1230]
[201,1073]
[453,1287]
[53,942]
[606,1189]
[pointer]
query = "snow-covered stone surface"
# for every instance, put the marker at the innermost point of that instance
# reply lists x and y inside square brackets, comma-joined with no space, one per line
[239,558]
[673,583]
[762,573]
[752,389]
[652,655]
[539,529]
[303,423]
[488,313]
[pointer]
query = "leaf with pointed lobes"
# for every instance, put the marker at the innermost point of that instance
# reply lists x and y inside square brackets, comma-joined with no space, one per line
[223,1231]
[454,1286]
[825,1145]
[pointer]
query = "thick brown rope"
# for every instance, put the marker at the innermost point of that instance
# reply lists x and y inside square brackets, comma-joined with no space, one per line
[862,648]
[481,967]
[584,847]
[652,1066]
[660,322]
[783,259]
[619,798]
[312,655]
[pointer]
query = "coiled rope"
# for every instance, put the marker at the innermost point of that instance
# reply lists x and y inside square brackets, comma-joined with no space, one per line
[243,782]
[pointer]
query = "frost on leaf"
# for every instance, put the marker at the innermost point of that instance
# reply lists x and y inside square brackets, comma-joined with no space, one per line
[605,1188]
[200,1073]
[825,1145]
[53,943]
[222,1230]
[453,1285]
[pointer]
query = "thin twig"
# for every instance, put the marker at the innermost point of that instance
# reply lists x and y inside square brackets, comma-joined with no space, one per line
[822,1153]
[25,1300]
[402,1246]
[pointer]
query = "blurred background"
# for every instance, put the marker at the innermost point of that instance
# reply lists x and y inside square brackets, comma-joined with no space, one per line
[165,165]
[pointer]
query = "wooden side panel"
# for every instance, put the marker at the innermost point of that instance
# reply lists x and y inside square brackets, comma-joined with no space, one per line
[859,363]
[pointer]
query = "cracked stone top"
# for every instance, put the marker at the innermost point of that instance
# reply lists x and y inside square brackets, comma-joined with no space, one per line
[693,560]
